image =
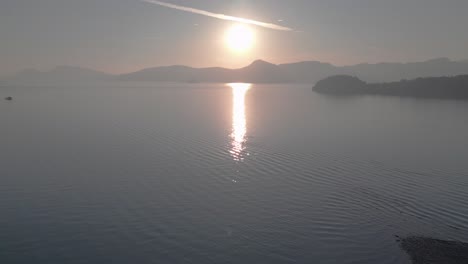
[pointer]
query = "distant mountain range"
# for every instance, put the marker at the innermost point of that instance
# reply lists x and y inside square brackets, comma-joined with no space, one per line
[257,72]
[60,74]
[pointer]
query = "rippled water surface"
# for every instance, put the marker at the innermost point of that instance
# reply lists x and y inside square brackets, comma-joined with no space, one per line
[179,173]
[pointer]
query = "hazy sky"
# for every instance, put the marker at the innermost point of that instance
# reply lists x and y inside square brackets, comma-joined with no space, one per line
[125,35]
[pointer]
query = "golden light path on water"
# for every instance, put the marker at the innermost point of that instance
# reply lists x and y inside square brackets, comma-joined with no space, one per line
[239,121]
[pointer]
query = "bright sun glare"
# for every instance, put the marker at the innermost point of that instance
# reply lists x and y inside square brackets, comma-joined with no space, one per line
[240,38]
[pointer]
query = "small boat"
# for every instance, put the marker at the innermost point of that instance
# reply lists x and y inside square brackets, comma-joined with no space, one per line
[8,98]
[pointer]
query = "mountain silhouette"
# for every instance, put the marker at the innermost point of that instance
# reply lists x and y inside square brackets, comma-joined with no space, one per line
[261,71]
[60,74]
[309,71]
[258,71]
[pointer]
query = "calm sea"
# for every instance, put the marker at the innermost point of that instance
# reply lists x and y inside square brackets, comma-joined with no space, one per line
[215,173]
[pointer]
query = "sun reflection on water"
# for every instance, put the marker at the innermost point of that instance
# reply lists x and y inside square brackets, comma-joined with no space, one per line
[239,121]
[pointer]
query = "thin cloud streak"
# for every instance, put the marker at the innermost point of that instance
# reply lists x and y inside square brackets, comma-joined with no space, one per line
[220,16]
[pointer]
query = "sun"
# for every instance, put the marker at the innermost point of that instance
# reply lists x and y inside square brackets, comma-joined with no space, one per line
[240,38]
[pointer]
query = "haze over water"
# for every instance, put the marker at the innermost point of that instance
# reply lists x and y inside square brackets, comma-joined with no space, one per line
[239,173]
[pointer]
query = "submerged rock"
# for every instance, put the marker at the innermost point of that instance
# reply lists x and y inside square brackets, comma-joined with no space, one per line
[423,250]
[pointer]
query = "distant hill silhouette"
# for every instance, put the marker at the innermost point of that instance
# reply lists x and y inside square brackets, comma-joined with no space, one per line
[310,71]
[432,87]
[258,72]
[262,72]
[301,72]
[390,72]
[60,74]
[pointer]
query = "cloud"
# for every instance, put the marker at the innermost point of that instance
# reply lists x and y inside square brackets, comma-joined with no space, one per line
[220,16]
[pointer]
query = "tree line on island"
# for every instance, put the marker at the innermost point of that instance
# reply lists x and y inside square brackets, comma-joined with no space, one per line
[455,87]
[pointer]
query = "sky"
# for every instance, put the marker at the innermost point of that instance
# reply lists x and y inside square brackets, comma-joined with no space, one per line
[120,36]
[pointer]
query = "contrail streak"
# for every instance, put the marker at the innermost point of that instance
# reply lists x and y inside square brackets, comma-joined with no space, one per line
[219,16]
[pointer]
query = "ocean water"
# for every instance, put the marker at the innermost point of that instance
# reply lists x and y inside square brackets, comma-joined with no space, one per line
[216,173]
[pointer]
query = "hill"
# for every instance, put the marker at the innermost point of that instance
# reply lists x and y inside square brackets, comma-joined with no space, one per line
[257,72]
[301,72]
[60,74]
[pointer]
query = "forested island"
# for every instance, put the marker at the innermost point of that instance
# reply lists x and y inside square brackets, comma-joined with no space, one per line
[455,87]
